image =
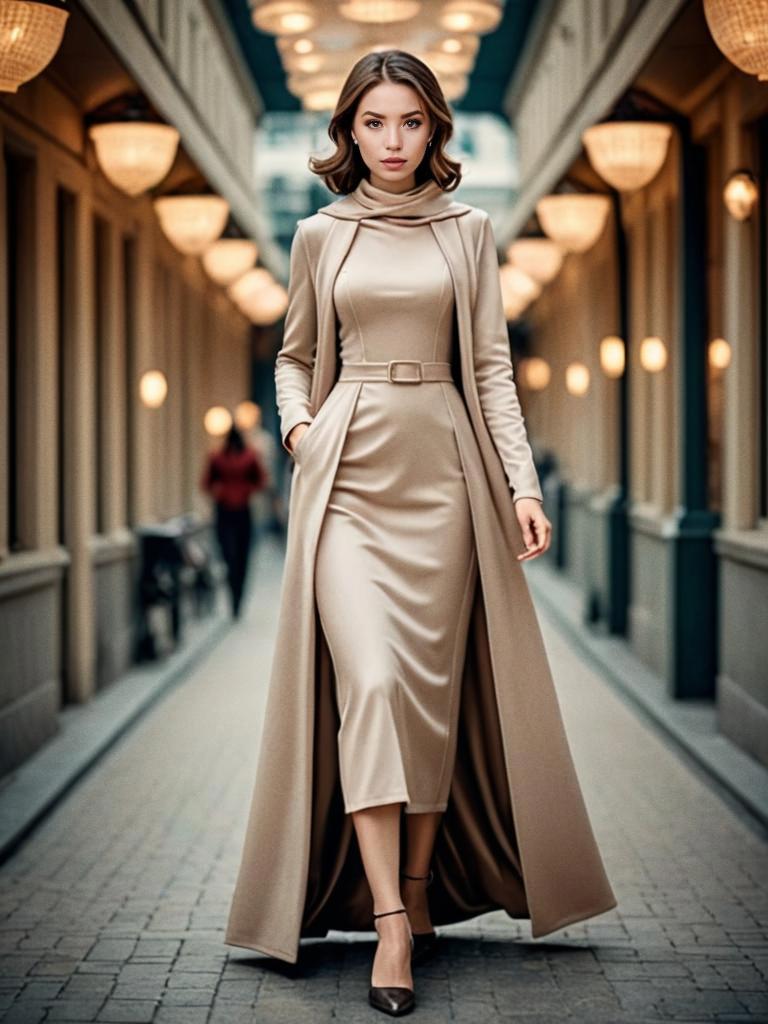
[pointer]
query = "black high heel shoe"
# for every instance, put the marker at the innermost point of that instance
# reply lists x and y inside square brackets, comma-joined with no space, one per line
[425,944]
[395,1000]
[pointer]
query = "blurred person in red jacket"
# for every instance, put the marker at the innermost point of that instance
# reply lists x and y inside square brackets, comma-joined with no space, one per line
[231,476]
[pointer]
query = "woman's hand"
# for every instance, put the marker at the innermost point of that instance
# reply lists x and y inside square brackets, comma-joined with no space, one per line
[295,435]
[537,529]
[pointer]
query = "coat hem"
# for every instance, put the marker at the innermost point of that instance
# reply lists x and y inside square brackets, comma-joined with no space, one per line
[578,915]
[281,954]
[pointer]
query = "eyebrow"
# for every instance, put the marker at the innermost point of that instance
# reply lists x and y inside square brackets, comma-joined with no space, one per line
[410,112]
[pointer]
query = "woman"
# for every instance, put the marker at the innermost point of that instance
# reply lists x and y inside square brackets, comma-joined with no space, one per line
[231,476]
[409,673]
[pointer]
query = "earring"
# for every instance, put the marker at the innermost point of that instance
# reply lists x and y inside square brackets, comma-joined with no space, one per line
[354,141]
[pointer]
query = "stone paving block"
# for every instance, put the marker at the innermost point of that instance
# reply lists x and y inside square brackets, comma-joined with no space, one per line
[112,949]
[128,1010]
[74,1009]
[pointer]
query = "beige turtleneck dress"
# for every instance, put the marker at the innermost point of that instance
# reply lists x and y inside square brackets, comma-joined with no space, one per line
[396,561]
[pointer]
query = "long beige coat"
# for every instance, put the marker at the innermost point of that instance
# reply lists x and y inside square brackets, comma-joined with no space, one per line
[516,834]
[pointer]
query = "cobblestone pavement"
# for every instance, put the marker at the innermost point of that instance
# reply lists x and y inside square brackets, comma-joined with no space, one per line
[114,909]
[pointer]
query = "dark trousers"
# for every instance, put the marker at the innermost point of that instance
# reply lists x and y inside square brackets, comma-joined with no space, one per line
[233,532]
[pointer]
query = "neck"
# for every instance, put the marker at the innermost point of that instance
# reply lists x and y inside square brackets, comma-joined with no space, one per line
[395,187]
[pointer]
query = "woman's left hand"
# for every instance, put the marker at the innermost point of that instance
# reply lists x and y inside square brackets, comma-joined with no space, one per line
[537,529]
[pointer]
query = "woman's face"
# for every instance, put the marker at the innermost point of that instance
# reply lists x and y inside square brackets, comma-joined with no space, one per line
[391,122]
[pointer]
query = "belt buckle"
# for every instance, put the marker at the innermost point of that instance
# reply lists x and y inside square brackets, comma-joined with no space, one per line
[404,380]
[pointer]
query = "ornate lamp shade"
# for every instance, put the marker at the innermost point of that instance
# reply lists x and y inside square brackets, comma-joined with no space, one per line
[244,290]
[612,356]
[740,29]
[540,258]
[134,155]
[379,12]
[153,388]
[577,379]
[470,15]
[535,373]
[653,354]
[217,421]
[740,194]
[191,223]
[30,35]
[284,17]
[627,154]
[515,282]
[229,258]
[573,220]
[267,306]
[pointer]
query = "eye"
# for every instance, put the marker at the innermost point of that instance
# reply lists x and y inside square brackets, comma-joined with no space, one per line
[415,121]
[374,120]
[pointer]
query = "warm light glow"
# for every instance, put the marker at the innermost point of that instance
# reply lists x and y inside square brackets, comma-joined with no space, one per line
[246,288]
[612,356]
[627,154]
[266,306]
[285,17]
[191,223]
[303,46]
[740,29]
[653,354]
[30,35]
[719,354]
[516,282]
[540,258]
[577,379]
[379,12]
[573,220]
[134,155]
[535,373]
[247,415]
[228,259]
[740,194]
[153,388]
[470,15]
[217,421]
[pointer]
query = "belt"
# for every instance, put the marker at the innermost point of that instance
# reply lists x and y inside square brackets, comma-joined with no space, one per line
[421,372]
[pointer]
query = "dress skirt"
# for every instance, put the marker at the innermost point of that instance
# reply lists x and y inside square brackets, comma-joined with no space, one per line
[396,563]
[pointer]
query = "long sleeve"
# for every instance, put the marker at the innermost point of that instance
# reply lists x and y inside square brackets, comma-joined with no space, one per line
[295,360]
[494,374]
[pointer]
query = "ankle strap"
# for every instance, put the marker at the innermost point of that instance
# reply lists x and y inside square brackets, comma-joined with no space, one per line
[385,912]
[420,878]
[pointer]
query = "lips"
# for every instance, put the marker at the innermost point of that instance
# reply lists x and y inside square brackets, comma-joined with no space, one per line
[393,163]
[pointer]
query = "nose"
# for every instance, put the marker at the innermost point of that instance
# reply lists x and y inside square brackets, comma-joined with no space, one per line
[393,138]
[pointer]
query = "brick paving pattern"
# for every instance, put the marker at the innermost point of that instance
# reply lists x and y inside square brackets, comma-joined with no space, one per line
[114,908]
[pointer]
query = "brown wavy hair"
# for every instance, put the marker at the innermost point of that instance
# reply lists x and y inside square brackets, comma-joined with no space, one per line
[343,170]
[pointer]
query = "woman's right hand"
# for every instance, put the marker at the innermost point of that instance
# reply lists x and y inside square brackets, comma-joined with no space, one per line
[295,435]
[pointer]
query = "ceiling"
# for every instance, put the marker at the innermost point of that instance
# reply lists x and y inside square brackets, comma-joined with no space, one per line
[496,59]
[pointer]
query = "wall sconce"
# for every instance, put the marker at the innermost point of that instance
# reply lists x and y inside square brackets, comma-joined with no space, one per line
[577,379]
[247,415]
[217,421]
[653,354]
[740,194]
[229,258]
[612,356]
[247,286]
[535,373]
[719,354]
[153,388]
[32,31]
[627,154]
[191,223]
[740,29]
[575,220]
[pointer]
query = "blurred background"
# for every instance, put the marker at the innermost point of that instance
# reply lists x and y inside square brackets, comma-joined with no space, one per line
[154,164]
